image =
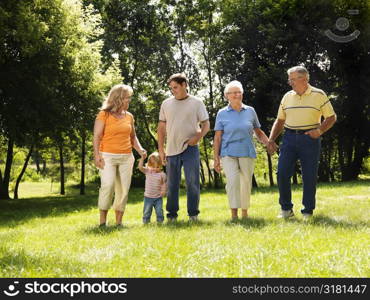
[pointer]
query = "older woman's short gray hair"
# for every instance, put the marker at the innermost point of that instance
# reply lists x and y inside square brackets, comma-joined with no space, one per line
[231,84]
[300,70]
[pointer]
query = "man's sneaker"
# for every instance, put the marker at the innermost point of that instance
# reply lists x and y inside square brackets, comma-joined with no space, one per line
[193,218]
[171,219]
[284,214]
[307,217]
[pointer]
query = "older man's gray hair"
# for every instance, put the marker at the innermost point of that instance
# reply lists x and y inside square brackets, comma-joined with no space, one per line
[302,71]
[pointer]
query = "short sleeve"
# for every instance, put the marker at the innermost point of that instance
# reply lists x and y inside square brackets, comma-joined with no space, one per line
[102,116]
[218,123]
[281,113]
[202,113]
[256,122]
[162,115]
[327,109]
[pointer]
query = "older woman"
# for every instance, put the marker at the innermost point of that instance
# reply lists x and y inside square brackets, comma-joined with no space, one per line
[114,138]
[234,128]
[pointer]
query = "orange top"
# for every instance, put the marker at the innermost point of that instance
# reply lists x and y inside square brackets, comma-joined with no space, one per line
[117,133]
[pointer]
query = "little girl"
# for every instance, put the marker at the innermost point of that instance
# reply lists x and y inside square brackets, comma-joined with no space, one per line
[155,187]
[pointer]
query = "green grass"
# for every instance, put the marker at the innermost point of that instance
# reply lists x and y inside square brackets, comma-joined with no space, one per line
[54,236]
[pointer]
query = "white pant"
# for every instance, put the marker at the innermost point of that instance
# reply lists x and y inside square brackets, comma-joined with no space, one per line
[115,177]
[239,172]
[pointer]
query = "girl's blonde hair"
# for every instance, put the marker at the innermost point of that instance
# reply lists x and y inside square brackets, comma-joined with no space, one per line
[156,158]
[115,98]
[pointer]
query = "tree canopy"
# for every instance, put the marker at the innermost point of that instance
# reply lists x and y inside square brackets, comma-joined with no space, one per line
[58,59]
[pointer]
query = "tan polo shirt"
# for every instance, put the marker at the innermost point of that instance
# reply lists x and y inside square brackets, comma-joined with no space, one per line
[182,119]
[304,112]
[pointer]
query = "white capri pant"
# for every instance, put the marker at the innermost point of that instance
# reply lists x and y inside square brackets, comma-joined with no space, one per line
[115,178]
[239,172]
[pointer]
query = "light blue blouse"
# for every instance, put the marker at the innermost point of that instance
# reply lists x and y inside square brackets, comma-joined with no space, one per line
[237,130]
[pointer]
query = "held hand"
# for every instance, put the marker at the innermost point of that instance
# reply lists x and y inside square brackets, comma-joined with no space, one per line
[314,133]
[162,155]
[99,162]
[142,153]
[271,147]
[217,166]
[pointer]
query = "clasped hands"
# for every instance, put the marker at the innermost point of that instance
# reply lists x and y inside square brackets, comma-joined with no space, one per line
[271,147]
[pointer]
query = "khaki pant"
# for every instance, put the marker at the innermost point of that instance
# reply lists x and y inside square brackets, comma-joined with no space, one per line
[115,178]
[239,172]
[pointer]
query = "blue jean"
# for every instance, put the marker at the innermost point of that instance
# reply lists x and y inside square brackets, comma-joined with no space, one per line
[307,150]
[149,203]
[191,162]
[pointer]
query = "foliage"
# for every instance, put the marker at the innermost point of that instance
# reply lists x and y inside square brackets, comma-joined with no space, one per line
[58,60]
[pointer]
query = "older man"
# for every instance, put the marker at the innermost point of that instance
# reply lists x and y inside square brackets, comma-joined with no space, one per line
[300,114]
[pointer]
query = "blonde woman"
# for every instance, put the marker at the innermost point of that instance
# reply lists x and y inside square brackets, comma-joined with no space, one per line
[114,138]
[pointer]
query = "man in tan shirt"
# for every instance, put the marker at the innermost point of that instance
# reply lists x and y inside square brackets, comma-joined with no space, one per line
[183,121]
[300,114]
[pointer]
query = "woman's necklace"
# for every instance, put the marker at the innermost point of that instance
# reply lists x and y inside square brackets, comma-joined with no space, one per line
[119,115]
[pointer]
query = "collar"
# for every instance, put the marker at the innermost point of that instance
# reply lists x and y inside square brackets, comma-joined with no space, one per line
[186,97]
[306,92]
[230,108]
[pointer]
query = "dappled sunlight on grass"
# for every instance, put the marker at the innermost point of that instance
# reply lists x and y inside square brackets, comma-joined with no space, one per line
[58,236]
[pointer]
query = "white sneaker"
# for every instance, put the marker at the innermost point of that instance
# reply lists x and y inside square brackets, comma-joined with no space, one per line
[193,219]
[284,214]
[307,217]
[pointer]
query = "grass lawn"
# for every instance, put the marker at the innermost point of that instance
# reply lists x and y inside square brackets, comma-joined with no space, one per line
[54,236]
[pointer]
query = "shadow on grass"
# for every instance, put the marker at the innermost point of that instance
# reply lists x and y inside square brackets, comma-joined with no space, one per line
[96,230]
[13,212]
[17,211]
[321,220]
[187,224]
[17,263]
[248,222]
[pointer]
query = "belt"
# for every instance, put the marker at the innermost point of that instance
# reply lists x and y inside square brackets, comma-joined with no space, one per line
[300,131]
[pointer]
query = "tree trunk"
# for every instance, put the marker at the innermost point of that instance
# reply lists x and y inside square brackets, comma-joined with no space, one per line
[83,155]
[36,158]
[4,184]
[254,182]
[143,110]
[271,177]
[22,172]
[61,163]
[210,175]
[202,176]
[43,166]
[217,180]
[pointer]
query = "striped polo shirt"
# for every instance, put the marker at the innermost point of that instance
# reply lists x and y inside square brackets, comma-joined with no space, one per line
[303,112]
